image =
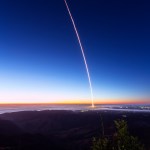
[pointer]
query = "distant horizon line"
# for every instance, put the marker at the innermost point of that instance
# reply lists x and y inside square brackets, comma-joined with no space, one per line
[115,103]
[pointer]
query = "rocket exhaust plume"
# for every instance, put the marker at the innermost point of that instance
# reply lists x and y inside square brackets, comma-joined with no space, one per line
[82,50]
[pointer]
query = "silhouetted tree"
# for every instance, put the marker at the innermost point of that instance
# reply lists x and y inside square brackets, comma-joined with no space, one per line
[121,140]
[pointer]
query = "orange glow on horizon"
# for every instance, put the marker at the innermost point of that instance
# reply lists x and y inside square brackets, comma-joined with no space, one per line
[88,102]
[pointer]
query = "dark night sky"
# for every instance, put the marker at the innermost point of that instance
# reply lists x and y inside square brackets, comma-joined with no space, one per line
[40,58]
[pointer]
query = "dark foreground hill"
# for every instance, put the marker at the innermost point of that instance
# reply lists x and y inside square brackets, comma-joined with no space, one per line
[65,130]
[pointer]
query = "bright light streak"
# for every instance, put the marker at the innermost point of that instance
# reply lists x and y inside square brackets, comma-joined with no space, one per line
[82,50]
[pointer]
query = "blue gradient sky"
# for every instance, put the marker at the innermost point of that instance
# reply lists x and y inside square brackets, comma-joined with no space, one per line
[40,59]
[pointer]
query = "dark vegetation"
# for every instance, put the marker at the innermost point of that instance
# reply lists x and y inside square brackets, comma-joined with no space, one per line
[66,130]
[120,140]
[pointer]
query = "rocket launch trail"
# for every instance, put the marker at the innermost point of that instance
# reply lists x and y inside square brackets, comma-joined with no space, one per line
[82,50]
